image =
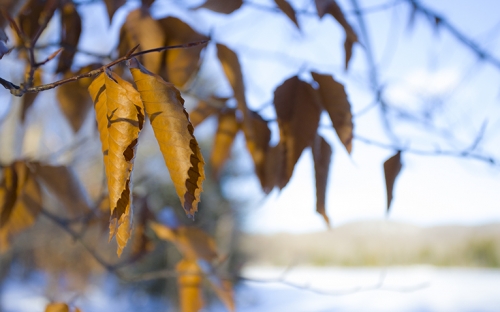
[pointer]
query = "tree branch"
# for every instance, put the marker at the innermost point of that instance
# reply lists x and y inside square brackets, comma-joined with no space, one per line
[17,91]
[440,21]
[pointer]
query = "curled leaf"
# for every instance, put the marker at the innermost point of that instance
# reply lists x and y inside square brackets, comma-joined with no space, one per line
[119,126]
[322,154]
[335,102]
[174,133]
[392,167]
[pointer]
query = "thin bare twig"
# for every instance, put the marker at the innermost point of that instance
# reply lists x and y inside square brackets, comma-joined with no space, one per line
[17,91]
[341,292]
[438,152]
[440,21]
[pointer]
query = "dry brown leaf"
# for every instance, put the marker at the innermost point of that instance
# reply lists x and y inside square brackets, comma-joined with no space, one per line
[32,14]
[274,168]
[227,129]
[140,28]
[258,135]
[21,214]
[288,10]
[392,167]
[8,193]
[181,64]
[112,6]
[173,131]
[189,283]
[147,3]
[335,102]
[322,154]
[331,7]
[192,242]
[222,6]
[232,69]
[141,244]
[74,99]
[71,28]
[197,247]
[63,182]
[201,112]
[29,98]
[298,109]
[120,116]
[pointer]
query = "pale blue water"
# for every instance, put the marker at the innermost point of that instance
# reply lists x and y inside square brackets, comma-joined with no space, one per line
[402,289]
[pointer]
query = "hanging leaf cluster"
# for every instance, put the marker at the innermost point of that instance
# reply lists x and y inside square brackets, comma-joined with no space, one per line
[120,113]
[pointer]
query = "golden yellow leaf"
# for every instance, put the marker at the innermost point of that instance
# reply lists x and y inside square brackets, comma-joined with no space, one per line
[181,64]
[201,112]
[222,6]
[223,141]
[120,116]
[331,7]
[322,154]
[140,28]
[335,102]
[392,167]
[19,211]
[288,10]
[298,109]
[57,307]
[97,90]
[189,283]
[71,28]
[63,182]
[174,133]
[112,6]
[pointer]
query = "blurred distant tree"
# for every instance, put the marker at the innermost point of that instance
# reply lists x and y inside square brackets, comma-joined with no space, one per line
[142,82]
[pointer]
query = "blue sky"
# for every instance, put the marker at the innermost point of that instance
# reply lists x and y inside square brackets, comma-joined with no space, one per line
[422,69]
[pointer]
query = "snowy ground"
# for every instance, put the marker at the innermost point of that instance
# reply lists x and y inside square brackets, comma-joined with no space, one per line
[416,288]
